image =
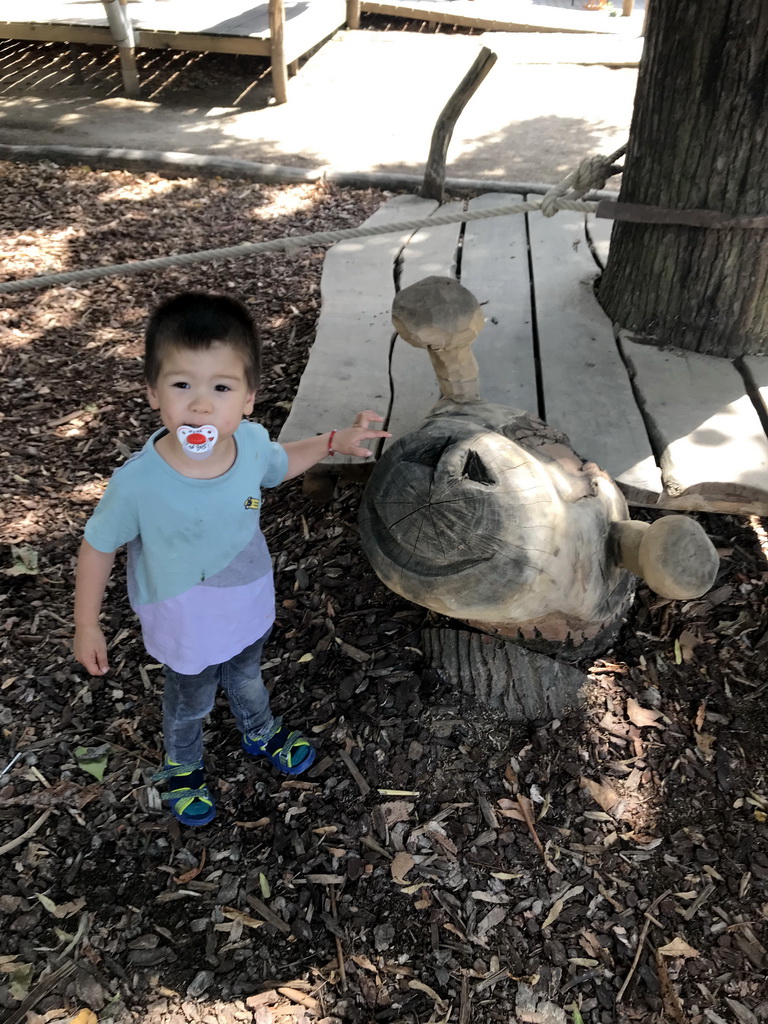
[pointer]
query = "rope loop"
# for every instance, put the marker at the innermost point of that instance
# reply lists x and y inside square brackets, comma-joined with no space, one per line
[592,172]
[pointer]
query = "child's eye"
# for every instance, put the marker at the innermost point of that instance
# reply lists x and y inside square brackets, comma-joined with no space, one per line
[222,387]
[182,384]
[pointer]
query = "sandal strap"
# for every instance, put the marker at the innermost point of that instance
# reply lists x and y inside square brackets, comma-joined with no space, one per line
[174,795]
[170,771]
[294,741]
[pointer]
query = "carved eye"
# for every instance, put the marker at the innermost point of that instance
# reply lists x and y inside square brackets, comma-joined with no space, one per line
[475,469]
[430,452]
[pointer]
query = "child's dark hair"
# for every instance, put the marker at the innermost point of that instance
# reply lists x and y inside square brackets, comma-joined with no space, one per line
[196,320]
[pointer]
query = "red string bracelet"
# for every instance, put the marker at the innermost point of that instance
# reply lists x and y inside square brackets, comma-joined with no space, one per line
[330,442]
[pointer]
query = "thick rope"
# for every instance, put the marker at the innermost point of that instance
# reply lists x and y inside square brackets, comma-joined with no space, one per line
[291,244]
[592,172]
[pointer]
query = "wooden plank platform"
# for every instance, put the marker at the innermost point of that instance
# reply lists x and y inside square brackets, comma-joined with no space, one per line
[348,366]
[712,449]
[587,392]
[503,16]
[228,26]
[676,430]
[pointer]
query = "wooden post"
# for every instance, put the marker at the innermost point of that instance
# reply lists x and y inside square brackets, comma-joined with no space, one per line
[122,32]
[353,13]
[627,7]
[434,176]
[277,50]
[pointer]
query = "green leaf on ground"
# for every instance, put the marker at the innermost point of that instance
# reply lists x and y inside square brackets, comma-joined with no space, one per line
[24,561]
[93,759]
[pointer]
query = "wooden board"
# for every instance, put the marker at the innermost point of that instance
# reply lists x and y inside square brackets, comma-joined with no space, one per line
[348,366]
[713,451]
[541,47]
[494,267]
[229,26]
[56,33]
[587,391]
[431,251]
[496,15]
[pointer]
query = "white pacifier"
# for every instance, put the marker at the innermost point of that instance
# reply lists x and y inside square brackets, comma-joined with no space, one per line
[197,442]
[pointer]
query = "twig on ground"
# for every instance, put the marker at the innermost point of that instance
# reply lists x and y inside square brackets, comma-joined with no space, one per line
[269,915]
[339,947]
[641,942]
[19,840]
[524,804]
[354,771]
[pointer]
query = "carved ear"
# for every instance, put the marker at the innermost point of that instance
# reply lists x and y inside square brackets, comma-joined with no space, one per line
[674,555]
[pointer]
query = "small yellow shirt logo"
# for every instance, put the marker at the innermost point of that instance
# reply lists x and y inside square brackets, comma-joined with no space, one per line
[252,503]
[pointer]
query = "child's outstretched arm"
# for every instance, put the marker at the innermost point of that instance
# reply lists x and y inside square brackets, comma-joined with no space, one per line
[302,455]
[93,570]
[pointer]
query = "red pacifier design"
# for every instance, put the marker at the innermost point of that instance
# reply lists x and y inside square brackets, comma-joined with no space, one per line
[197,442]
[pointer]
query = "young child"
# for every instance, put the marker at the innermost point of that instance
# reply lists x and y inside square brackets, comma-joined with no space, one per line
[199,572]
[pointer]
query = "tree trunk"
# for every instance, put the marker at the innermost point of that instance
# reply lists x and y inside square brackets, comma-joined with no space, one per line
[699,140]
[524,685]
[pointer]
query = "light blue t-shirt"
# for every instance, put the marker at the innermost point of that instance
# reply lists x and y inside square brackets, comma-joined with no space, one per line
[199,572]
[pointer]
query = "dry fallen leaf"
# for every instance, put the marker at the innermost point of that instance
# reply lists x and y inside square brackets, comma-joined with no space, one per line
[672,1006]
[193,872]
[491,920]
[63,909]
[363,961]
[678,947]
[688,643]
[554,912]
[421,987]
[601,793]
[704,743]
[400,866]
[84,1016]
[640,716]
[396,810]
[245,919]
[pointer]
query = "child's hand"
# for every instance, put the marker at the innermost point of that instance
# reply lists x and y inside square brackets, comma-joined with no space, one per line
[90,649]
[347,441]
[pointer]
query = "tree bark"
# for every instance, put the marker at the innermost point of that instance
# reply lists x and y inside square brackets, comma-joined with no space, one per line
[699,140]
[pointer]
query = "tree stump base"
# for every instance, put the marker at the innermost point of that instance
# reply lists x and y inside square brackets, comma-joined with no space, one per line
[504,676]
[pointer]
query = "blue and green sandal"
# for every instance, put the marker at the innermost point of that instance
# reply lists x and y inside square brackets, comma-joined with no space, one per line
[288,750]
[191,802]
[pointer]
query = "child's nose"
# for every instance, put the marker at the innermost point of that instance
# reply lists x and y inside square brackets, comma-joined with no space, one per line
[201,400]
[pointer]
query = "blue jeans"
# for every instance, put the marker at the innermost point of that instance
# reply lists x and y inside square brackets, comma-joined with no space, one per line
[188,699]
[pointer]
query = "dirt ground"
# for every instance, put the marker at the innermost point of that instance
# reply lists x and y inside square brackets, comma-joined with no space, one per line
[437,864]
[365,101]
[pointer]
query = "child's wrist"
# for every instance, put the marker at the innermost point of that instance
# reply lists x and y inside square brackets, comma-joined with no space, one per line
[330,450]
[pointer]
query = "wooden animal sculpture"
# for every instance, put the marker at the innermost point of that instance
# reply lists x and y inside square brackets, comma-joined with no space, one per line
[486,514]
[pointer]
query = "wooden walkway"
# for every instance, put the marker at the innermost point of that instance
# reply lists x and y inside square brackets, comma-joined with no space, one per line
[282,30]
[507,15]
[676,430]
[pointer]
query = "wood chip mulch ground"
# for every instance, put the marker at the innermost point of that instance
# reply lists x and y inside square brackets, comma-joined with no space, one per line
[437,864]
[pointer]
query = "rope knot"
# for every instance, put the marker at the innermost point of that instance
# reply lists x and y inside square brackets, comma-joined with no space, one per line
[592,172]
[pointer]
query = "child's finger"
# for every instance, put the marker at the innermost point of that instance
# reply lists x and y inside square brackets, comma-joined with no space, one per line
[364,418]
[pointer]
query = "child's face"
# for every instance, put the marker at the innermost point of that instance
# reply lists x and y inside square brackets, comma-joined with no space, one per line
[197,387]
